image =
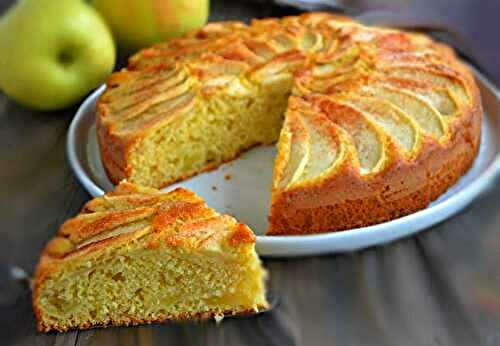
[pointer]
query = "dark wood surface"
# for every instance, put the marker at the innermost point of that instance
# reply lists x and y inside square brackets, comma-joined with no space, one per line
[441,287]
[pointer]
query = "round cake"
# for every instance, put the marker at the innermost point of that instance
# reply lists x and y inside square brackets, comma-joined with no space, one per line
[371,124]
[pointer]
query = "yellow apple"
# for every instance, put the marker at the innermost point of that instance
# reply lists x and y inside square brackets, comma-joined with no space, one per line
[140,23]
[53,52]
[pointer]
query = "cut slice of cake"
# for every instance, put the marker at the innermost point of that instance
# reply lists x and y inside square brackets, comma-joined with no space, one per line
[138,255]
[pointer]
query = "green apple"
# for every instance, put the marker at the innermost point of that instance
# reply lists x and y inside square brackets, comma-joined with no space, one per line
[53,52]
[140,23]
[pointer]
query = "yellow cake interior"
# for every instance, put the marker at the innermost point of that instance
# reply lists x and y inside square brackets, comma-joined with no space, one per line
[214,131]
[151,284]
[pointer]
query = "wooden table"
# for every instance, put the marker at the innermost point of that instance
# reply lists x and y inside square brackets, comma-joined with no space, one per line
[441,287]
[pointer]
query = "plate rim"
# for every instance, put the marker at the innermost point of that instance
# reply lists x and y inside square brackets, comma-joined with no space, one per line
[317,244]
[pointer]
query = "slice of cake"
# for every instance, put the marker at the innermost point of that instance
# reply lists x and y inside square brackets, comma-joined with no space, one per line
[137,255]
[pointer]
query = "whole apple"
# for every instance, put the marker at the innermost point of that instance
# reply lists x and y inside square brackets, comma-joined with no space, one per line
[140,23]
[53,52]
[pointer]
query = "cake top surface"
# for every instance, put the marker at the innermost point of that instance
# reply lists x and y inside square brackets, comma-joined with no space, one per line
[177,219]
[163,81]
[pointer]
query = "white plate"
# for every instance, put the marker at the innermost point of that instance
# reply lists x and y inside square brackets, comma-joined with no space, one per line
[242,187]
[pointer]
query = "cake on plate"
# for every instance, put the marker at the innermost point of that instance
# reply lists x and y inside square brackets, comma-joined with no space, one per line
[137,255]
[371,124]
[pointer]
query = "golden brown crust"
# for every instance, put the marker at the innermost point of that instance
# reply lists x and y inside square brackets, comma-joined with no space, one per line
[242,235]
[113,151]
[199,316]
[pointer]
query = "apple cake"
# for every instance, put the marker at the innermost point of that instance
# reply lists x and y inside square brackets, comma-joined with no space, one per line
[140,256]
[371,123]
